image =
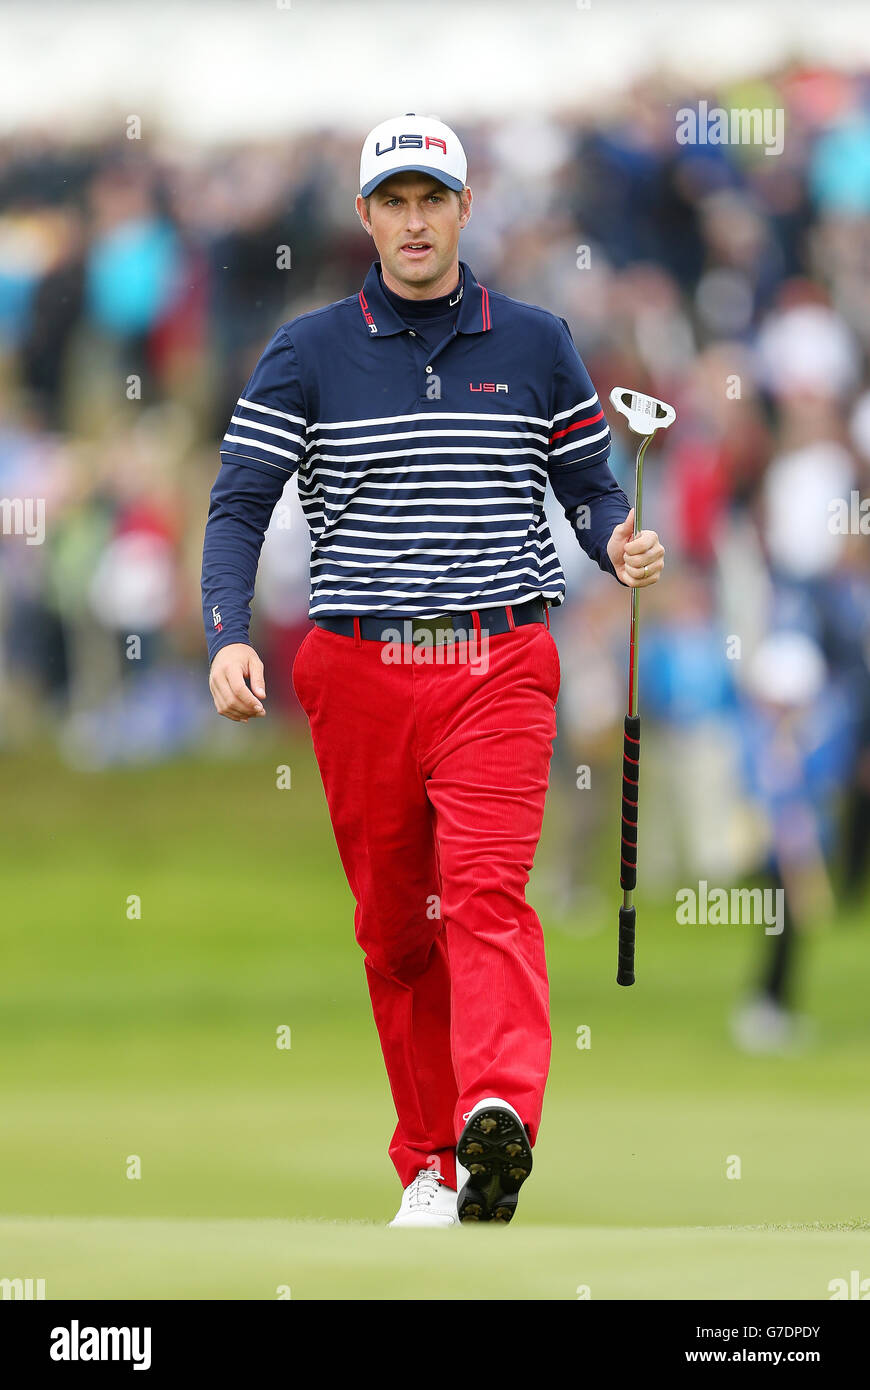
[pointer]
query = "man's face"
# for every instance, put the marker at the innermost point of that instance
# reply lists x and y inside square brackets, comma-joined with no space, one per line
[415,223]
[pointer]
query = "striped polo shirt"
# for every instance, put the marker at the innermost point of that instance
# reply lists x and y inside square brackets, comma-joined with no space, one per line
[421,470]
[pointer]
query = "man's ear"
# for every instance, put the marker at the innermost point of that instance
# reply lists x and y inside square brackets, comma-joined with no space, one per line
[465,207]
[360,206]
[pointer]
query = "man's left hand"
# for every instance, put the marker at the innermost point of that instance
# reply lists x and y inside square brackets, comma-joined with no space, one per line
[638,560]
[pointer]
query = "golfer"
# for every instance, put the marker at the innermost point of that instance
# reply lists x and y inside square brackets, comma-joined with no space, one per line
[422,418]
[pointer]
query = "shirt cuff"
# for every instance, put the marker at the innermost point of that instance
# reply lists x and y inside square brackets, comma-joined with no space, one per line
[225,639]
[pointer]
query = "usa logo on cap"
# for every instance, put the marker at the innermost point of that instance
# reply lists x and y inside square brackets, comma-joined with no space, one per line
[412,143]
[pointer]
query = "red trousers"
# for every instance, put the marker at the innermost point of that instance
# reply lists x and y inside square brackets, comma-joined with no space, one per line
[435,776]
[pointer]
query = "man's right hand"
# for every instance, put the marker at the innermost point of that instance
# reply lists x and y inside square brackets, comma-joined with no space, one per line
[226,681]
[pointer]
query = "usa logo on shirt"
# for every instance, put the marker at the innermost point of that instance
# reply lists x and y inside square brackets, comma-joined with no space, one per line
[363,304]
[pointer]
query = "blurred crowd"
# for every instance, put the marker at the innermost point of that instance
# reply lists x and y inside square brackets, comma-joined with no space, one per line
[139,282]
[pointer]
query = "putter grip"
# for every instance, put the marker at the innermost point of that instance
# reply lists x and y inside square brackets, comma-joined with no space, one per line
[630,771]
[625,964]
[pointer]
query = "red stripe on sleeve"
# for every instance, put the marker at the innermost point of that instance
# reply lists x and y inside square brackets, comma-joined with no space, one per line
[581,425]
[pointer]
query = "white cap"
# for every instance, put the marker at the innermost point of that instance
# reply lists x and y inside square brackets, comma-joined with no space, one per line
[409,142]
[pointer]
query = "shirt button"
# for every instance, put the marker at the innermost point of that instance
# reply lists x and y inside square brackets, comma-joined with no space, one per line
[412,333]
[428,369]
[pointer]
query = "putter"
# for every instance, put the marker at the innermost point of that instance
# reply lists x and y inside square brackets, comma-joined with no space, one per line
[645,415]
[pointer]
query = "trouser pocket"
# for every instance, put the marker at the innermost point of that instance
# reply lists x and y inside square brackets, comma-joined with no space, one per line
[297,671]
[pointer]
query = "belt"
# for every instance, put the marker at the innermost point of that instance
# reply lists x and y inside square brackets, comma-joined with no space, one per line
[492,622]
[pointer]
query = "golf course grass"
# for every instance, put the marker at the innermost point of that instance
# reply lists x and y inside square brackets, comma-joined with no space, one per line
[157,1143]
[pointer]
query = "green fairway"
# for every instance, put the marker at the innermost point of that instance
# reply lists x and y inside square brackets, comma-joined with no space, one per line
[153,1039]
[298,1260]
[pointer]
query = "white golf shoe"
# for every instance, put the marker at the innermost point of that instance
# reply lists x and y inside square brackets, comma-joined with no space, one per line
[427,1201]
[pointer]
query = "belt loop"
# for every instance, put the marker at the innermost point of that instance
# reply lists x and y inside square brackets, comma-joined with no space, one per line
[510,616]
[357,639]
[547,613]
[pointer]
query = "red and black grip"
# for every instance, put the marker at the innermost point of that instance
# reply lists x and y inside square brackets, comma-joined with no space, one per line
[630,772]
[625,961]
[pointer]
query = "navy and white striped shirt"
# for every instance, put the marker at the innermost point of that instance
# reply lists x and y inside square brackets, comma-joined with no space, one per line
[421,470]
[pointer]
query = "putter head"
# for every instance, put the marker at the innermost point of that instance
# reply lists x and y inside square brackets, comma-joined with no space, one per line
[645,414]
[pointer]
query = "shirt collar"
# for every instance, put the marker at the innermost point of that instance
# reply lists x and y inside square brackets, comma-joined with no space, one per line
[380,319]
